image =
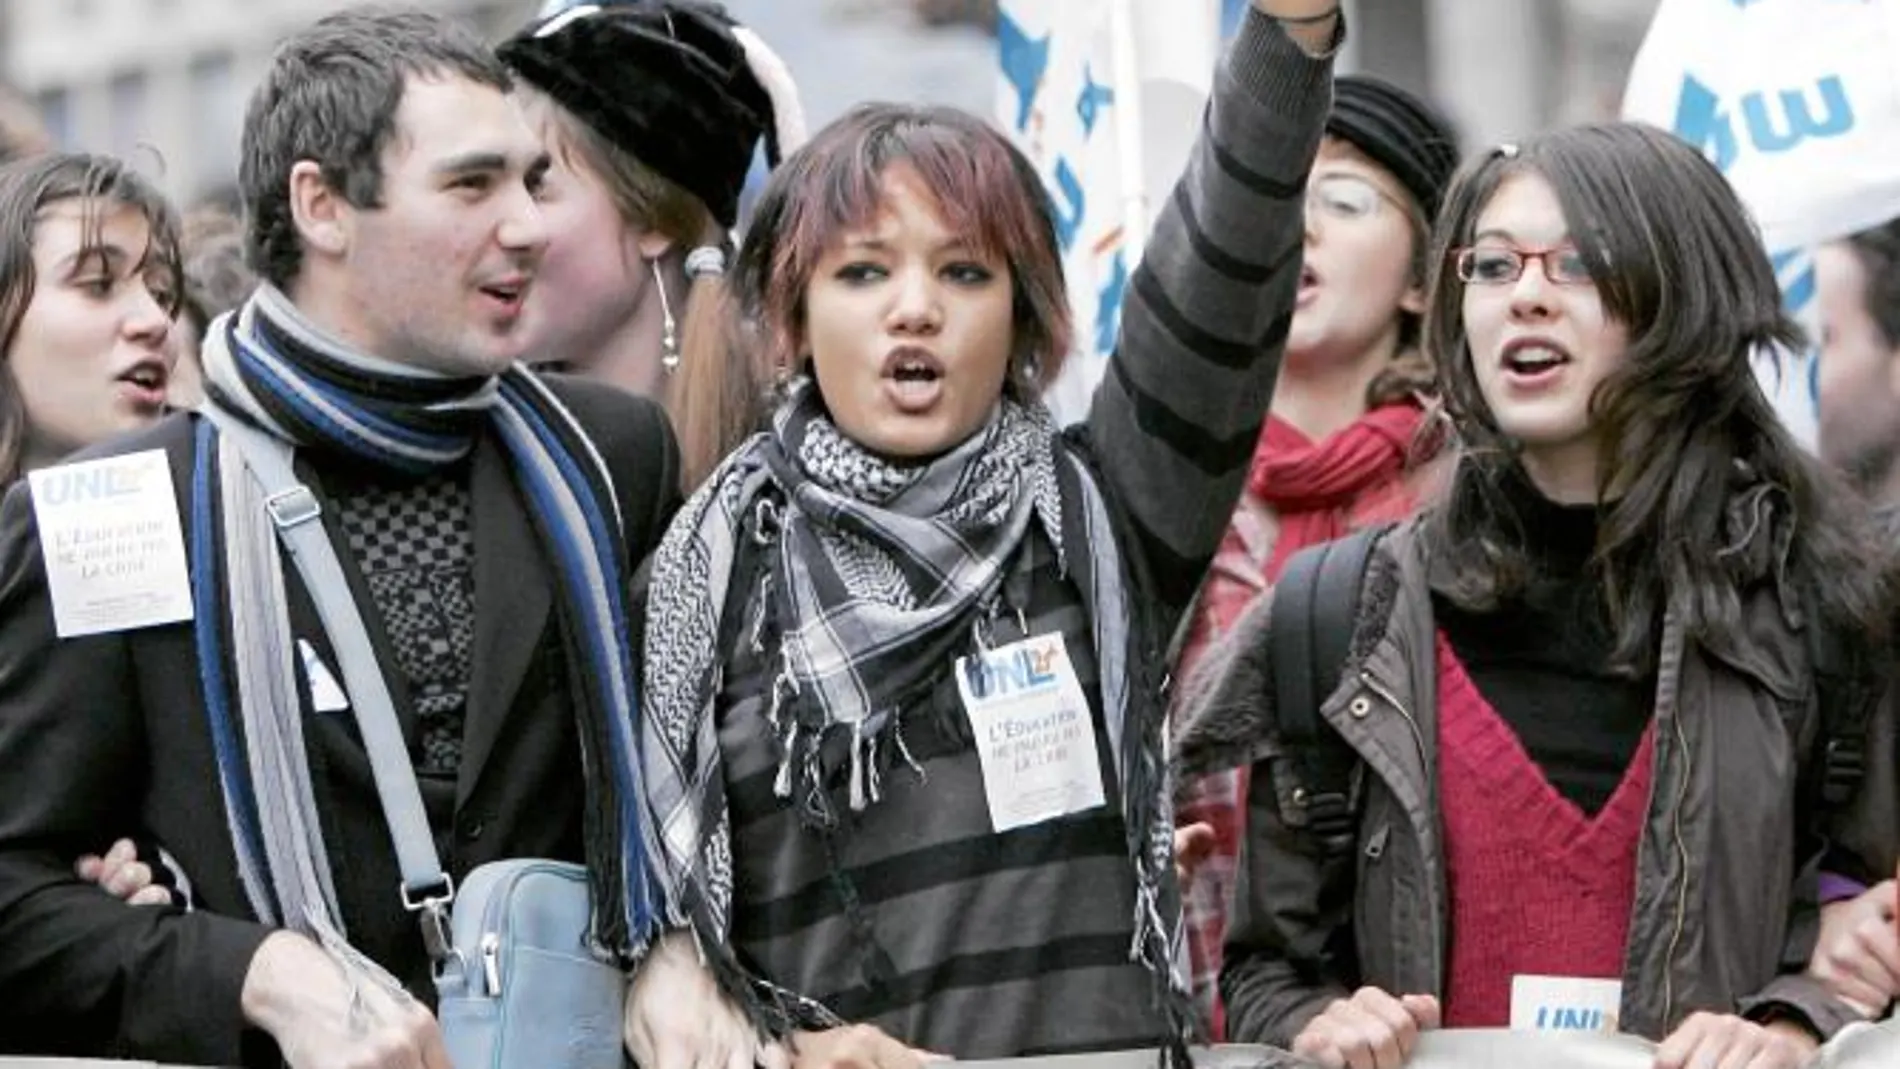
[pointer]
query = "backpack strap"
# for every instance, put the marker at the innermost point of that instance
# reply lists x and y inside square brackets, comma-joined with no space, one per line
[1315,607]
[1845,709]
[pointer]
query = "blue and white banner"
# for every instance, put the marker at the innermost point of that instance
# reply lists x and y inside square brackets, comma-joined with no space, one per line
[1065,68]
[1798,102]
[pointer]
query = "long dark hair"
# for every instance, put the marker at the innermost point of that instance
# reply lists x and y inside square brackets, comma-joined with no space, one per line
[1684,425]
[27,188]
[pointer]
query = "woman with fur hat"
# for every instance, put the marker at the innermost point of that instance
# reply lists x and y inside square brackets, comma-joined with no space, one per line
[1342,446]
[652,111]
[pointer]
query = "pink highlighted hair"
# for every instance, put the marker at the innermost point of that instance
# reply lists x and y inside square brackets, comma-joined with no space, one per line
[985,189]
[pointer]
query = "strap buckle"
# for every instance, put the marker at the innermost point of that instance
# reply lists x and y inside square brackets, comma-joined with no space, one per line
[1326,794]
[1844,766]
[1331,818]
[432,916]
[293,507]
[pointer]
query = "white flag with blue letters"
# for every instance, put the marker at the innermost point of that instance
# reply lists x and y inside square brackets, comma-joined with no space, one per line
[1798,102]
[1057,97]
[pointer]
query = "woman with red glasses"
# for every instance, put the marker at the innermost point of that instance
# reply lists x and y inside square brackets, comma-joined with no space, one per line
[1581,702]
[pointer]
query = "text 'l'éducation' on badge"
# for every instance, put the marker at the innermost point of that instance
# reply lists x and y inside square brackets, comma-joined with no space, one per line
[1034,733]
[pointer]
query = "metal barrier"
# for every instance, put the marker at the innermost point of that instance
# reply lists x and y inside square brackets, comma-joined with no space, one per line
[1866,1046]
[1863,1046]
[1458,1049]
[1859,1047]
[1225,1057]
[78,1063]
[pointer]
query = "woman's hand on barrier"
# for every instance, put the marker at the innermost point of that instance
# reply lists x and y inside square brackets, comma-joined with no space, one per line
[1858,953]
[1724,1041]
[677,1018]
[121,874]
[1370,1030]
[857,1046]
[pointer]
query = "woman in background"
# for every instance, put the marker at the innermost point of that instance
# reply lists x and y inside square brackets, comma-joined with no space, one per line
[1346,442]
[89,282]
[652,111]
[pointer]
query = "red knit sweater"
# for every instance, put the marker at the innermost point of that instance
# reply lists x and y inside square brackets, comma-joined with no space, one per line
[1537,887]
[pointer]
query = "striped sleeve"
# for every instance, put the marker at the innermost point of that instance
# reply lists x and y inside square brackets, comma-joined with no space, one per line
[1174,421]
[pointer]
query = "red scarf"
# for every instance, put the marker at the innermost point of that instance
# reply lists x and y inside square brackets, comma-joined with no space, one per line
[1318,491]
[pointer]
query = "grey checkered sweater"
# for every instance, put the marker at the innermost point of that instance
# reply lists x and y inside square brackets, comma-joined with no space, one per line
[413,542]
[916,916]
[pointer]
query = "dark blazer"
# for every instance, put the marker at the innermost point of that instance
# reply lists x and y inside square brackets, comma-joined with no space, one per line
[105,736]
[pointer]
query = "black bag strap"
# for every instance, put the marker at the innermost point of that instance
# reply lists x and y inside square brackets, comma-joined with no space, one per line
[1845,707]
[1315,607]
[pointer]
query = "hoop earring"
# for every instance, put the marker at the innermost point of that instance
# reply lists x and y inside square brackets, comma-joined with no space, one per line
[669,333]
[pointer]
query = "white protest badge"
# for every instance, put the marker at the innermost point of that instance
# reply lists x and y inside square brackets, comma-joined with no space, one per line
[1034,733]
[113,545]
[1565,1004]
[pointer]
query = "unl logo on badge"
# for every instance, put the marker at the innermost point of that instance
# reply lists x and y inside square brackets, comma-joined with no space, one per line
[1021,669]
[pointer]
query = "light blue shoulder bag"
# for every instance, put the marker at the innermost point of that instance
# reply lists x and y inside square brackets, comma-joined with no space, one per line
[520,988]
[518,984]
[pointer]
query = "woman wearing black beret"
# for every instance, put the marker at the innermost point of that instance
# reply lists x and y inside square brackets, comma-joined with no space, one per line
[653,111]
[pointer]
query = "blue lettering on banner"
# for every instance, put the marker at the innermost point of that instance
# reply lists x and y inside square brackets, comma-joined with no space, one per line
[1232,11]
[1701,121]
[1794,270]
[1108,312]
[1794,273]
[1024,60]
[1014,671]
[1814,382]
[1800,124]
[1072,206]
[61,486]
[1094,97]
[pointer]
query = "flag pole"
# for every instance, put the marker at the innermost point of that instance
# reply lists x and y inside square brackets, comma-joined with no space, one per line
[1127,110]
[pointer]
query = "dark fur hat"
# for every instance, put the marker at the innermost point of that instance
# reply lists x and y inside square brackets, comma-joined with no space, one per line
[668,81]
[1401,132]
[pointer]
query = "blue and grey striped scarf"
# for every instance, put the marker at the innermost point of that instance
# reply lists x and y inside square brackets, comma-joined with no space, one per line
[266,365]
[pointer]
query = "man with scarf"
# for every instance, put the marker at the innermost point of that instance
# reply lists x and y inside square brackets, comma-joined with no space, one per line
[487,522]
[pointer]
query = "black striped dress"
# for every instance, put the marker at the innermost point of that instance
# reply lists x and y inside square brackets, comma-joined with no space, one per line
[914,915]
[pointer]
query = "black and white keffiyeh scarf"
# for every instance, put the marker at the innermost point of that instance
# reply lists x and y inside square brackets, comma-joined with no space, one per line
[876,576]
